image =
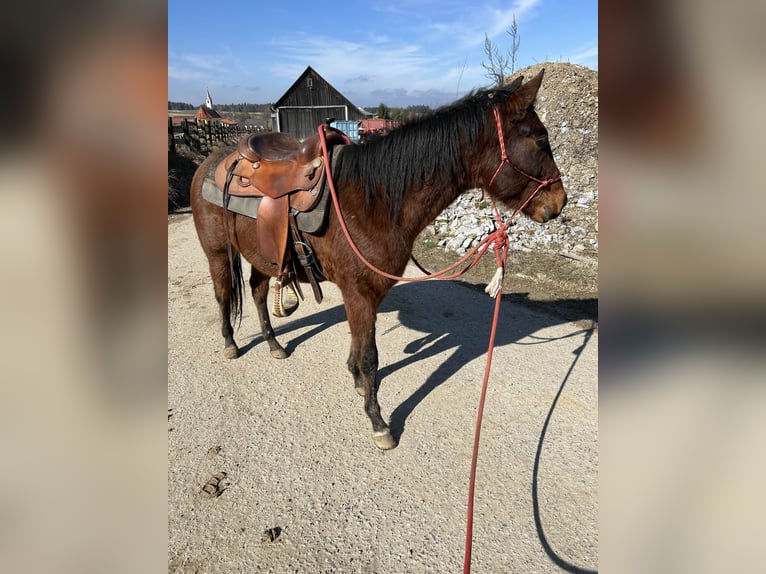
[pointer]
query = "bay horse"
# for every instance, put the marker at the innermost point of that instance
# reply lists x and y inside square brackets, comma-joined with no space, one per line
[389,189]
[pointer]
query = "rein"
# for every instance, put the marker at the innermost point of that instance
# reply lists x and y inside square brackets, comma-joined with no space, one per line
[494,289]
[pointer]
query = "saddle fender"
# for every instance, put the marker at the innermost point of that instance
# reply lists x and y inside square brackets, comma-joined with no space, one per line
[272,228]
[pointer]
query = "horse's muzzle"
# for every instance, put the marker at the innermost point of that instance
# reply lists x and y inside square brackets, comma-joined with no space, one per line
[554,201]
[548,212]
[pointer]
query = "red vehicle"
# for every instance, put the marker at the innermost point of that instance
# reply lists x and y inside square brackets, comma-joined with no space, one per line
[379,127]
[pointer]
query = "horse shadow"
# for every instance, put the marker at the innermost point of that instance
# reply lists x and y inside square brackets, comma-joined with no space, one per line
[454,317]
[318,322]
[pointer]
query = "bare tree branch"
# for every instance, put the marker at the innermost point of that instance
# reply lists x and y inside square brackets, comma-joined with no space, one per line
[500,66]
[513,32]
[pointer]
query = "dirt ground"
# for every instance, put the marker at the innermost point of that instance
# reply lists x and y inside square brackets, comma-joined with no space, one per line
[271,465]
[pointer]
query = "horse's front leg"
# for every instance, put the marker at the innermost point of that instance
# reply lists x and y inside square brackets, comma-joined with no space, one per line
[363,365]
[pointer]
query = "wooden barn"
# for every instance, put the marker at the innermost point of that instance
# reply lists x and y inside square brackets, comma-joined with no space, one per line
[309,102]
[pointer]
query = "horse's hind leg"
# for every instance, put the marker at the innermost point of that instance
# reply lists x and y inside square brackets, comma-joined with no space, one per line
[259,284]
[221,275]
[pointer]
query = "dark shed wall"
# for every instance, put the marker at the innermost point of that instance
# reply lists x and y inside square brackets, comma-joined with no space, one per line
[303,122]
[309,102]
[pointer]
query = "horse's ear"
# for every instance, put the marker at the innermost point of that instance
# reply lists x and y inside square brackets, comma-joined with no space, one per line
[528,92]
[516,83]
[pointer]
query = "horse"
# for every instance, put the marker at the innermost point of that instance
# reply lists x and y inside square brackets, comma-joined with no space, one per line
[389,189]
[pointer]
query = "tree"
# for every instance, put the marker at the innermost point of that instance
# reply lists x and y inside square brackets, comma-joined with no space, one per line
[384,112]
[180,106]
[500,66]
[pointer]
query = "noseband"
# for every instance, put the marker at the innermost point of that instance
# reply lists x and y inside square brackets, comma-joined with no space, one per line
[504,159]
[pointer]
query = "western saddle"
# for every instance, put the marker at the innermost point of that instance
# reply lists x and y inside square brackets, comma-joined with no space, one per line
[287,174]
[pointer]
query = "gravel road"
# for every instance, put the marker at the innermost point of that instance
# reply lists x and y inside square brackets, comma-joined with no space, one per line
[271,465]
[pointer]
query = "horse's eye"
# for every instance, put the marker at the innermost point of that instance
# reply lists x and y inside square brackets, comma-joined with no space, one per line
[544,144]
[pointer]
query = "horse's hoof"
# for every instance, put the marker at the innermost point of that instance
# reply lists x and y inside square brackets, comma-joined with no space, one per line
[231,352]
[359,390]
[279,353]
[383,440]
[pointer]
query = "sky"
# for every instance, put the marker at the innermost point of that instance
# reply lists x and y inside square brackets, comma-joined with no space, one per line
[396,52]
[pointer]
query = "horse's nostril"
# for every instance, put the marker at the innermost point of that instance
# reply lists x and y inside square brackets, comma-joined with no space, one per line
[546,213]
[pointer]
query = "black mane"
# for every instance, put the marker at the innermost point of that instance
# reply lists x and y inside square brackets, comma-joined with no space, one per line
[420,151]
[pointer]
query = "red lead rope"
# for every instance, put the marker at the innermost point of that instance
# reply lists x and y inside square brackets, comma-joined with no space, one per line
[500,239]
[476,436]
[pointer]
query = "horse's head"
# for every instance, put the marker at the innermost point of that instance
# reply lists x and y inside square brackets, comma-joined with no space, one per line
[529,155]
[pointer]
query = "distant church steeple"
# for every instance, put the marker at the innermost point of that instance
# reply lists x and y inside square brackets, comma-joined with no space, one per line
[206,111]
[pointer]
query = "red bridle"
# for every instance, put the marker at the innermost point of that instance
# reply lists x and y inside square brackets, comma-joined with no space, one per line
[504,160]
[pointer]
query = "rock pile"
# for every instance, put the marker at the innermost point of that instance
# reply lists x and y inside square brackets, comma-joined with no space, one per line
[568,106]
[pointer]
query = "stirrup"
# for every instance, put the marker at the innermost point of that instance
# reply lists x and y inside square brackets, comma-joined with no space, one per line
[285,298]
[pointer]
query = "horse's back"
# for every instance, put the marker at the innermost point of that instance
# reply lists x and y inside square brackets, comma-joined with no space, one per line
[206,167]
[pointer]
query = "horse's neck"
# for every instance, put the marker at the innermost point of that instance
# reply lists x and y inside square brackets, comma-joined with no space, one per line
[423,205]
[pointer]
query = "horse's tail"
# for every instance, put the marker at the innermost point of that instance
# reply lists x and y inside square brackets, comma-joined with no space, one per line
[237,286]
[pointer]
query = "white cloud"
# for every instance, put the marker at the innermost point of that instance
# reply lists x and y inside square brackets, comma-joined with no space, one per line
[585,56]
[206,62]
[364,72]
[465,29]
[500,20]
[376,38]
[343,59]
[185,74]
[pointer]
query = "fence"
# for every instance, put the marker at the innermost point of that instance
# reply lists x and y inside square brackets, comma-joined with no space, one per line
[201,135]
